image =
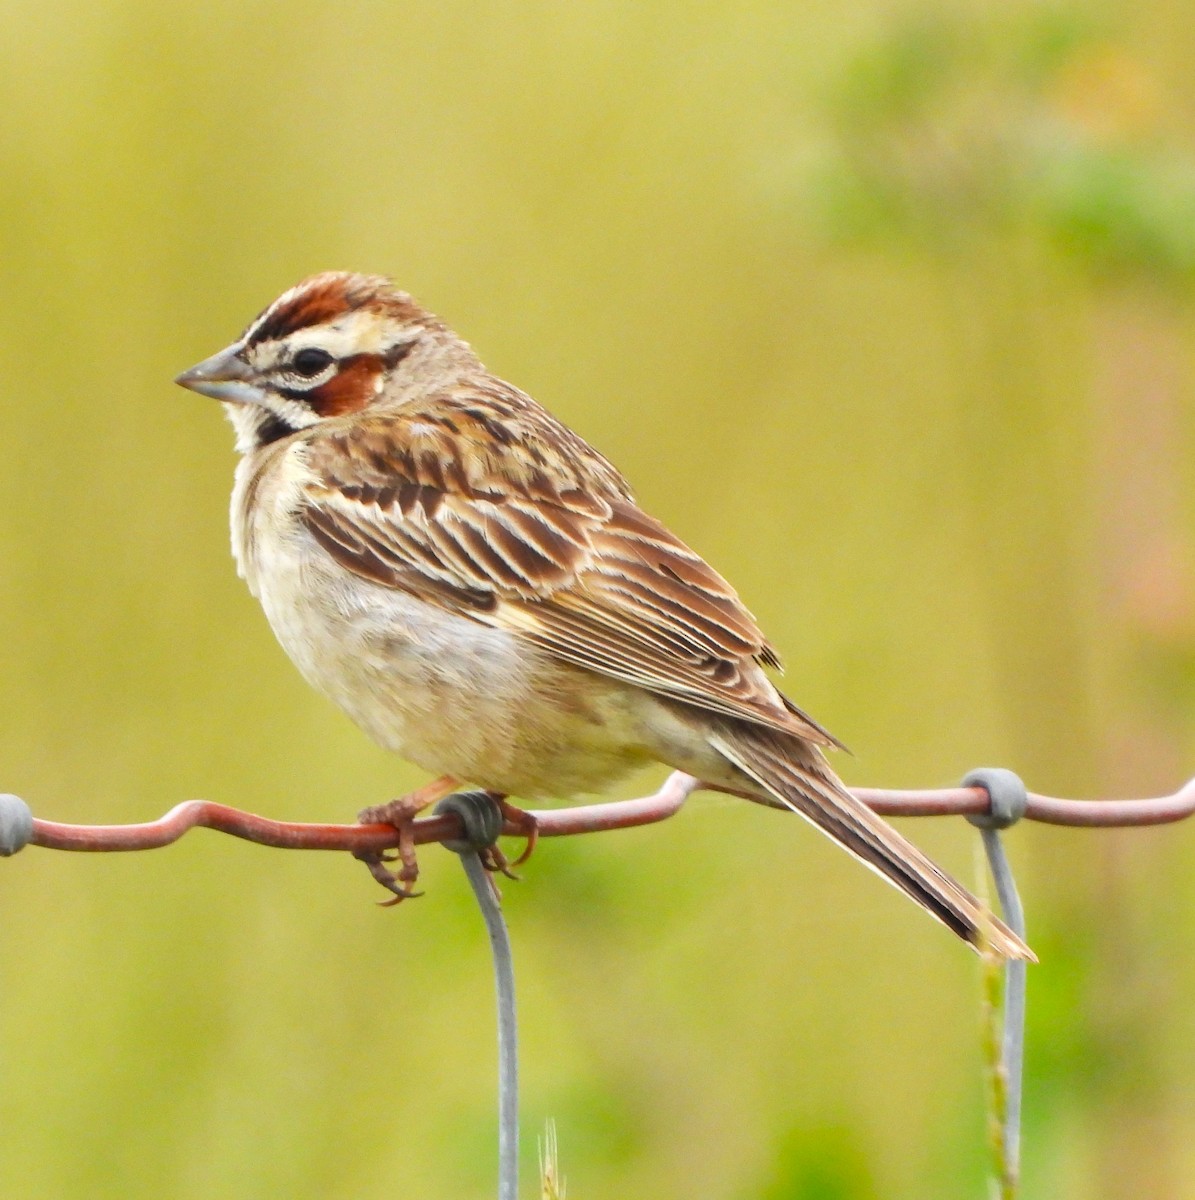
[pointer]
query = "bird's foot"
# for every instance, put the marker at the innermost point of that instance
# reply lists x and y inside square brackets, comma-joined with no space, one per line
[401,813]
[528,827]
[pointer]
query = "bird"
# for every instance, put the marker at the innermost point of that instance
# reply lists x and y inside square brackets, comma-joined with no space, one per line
[477,588]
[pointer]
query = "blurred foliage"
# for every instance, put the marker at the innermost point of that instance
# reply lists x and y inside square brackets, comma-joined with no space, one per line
[820,1163]
[944,455]
[1024,118]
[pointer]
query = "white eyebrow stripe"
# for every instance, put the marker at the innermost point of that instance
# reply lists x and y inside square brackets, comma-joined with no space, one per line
[360,332]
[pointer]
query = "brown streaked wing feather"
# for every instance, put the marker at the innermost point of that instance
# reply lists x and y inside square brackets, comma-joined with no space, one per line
[682,624]
[513,537]
[432,487]
[364,555]
[716,685]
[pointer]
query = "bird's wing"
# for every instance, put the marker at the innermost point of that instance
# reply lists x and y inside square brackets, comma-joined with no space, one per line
[497,524]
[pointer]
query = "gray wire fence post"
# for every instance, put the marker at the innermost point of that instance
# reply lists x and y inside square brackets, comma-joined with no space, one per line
[1008,802]
[482,821]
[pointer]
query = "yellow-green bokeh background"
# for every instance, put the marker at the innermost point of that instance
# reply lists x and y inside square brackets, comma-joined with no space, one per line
[950,480]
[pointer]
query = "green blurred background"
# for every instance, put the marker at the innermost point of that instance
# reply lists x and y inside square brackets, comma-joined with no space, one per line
[887,309]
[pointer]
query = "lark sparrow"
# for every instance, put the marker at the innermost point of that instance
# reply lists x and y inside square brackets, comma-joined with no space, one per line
[476,587]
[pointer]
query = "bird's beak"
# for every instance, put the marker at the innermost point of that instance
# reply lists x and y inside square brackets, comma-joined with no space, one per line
[225,377]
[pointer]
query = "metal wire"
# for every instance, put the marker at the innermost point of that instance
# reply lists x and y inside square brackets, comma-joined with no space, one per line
[976,799]
[1013,1042]
[590,818]
[508,1053]
[1008,803]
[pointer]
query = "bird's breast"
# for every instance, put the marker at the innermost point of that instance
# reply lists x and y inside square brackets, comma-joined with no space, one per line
[449,693]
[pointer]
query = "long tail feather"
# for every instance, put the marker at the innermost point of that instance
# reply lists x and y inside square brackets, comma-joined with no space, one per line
[795,775]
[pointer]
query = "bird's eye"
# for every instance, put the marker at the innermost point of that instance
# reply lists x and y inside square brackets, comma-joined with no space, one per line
[311,361]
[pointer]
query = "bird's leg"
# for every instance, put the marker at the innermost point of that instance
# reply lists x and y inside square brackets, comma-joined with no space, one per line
[401,813]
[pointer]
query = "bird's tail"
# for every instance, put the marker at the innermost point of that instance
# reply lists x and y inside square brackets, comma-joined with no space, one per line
[795,775]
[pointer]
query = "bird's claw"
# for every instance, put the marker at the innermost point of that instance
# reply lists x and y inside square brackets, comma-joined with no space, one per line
[401,814]
[392,881]
[497,863]
[528,828]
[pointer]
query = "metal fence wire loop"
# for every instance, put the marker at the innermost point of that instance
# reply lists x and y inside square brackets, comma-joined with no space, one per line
[16,824]
[481,820]
[1008,798]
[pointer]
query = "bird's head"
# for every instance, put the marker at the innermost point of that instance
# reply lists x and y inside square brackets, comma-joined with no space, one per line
[334,344]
